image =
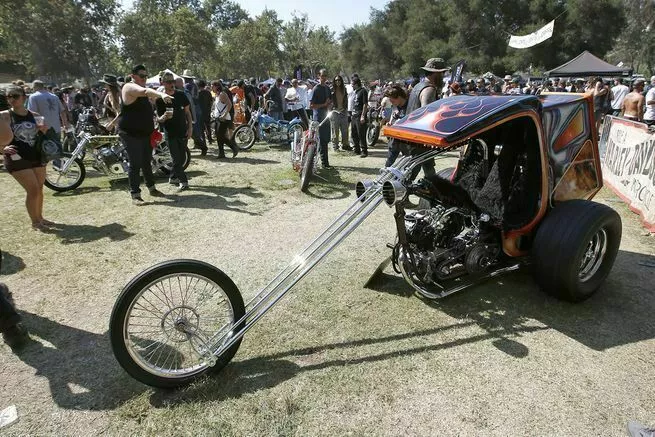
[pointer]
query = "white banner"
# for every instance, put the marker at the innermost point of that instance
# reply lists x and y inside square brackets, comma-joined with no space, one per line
[628,162]
[539,36]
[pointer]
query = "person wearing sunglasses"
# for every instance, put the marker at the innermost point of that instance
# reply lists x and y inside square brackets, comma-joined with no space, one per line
[135,125]
[21,157]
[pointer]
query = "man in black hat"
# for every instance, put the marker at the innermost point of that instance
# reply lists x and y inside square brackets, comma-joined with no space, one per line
[424,93]
[135,125]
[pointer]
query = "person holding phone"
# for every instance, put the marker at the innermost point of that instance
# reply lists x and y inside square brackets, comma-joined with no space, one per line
[21,157]
[175,117]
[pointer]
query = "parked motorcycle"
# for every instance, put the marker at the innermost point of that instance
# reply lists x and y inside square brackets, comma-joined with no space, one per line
[263,127]
[107,155]
[374,126]
[304,150]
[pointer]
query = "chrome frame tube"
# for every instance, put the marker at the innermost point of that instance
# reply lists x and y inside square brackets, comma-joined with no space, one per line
[316,251]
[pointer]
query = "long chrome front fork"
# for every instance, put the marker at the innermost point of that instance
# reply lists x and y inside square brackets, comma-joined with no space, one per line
[313,254]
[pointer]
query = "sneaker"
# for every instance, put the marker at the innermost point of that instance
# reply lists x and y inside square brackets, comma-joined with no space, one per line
[203,152]
[357,152]
[15,336]
[363,155]
[154,192]
[182,187]
[235,152]
[173,181]
[636,429]
[221,156]
[138,201]
[346,148]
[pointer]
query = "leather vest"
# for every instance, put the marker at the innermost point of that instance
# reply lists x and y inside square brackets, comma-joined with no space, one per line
[414,102]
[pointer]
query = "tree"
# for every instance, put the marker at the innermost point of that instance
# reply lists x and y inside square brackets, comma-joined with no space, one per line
[42,35]
[250,49]
[222,14]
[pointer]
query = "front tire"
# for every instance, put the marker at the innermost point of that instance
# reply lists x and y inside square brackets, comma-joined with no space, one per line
[61,182]
[372,135]
[164,317]
[307,168]
[575,248]
[244,136]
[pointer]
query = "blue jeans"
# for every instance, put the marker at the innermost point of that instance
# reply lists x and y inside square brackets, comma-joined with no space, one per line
[323,133]
[177,147]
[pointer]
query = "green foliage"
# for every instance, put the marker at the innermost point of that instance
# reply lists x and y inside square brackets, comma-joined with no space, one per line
[57,38]
[217,38]
[399,38]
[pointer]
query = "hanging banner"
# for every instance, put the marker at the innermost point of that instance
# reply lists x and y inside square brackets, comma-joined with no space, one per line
[539,36]
[456,72]
[628,161]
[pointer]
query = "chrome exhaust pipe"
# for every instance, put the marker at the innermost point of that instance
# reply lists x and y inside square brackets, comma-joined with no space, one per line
[362,187]
[393,192]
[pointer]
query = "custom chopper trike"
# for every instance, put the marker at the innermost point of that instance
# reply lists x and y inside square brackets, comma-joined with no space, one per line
[520,195]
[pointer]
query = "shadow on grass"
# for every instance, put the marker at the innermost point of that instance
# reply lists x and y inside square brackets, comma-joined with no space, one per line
[620,313]
[327,184]
[10,264]
[215,198]
[250,376]
[71,234]
[79,365]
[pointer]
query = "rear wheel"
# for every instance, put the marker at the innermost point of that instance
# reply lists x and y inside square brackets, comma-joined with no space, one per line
[307,167]
[57,180]
[244,136]
[163,161]
[575,248]
[168,316]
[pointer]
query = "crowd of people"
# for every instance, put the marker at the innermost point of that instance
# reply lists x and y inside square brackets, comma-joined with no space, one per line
[185,107]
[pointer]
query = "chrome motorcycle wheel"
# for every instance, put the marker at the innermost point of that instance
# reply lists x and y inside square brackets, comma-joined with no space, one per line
[58,180]
[162,160]
[244,136]
[167,321]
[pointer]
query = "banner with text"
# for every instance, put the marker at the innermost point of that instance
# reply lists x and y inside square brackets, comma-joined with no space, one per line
[539,36]
[628,161]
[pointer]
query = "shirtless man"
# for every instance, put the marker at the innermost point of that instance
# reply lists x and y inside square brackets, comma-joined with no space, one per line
[633,104]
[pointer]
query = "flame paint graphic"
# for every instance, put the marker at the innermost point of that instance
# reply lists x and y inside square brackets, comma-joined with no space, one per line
[448,116]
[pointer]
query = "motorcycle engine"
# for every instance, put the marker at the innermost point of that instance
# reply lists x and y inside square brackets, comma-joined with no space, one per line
[272,131]
[445,243]
[113,158]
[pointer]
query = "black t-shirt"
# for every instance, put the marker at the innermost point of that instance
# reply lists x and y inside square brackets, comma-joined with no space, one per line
[361,98]
[275,95]
[176,126]
[321,94]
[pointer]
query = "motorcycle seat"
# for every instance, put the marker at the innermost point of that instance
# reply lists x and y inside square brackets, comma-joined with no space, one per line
[283,122]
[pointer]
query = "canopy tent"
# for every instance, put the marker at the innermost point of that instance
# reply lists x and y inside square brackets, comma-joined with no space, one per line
[586,64]
[154,80]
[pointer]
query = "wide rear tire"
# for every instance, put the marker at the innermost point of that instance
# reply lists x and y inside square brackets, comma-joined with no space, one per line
[163,316]
[575,249]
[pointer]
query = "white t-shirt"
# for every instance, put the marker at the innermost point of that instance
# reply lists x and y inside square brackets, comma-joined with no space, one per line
[351,97]
[619,91]
[650,109]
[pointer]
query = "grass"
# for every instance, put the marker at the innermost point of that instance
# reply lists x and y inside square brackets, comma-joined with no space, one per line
[334,358]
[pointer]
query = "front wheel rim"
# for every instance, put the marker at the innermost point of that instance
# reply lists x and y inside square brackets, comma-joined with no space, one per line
[593,255]
[62,180]
[244,137]
[163,327]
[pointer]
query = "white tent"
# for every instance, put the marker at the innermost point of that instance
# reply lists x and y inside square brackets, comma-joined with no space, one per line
[154,80]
